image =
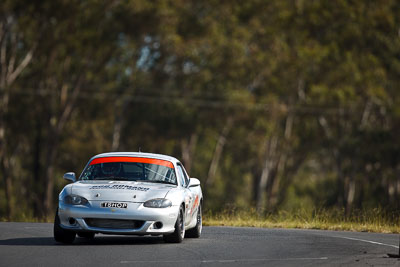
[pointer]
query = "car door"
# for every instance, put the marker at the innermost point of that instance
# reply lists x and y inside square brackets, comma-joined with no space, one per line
[189,196]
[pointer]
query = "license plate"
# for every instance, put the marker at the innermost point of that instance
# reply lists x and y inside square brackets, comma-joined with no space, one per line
[118,205]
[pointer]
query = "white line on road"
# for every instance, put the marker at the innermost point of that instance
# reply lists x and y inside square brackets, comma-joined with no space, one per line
[225,261]
[366,241]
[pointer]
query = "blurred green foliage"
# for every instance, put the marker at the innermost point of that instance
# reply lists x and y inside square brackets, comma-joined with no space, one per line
[273,105]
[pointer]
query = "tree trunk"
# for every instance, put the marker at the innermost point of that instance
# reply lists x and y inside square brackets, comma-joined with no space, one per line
[5,166]
[50,158]
[188,148]
[336,155]
[10,69]
[288,172]
[350,193]
[397,197]
[116,133]
[275,192]
[120,108]
[339,180]
[219,147]
[4,160]
[269,162]
[56,127]
[273,195]
[37,180]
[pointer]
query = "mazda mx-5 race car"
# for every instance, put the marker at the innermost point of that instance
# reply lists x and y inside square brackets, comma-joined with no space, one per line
[130,194]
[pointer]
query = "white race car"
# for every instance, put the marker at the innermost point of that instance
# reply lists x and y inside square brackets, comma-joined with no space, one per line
[130,194]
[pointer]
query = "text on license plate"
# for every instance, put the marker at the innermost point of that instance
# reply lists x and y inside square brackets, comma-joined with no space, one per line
[119,205]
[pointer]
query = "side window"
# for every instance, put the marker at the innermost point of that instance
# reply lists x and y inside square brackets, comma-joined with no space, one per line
[186,175]
[182,175]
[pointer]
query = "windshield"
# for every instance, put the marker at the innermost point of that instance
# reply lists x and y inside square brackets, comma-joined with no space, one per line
[130,169]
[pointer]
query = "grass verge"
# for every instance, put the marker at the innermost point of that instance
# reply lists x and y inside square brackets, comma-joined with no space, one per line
[376,220]
[28,218]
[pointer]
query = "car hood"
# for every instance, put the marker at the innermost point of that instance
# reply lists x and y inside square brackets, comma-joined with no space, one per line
[120,190]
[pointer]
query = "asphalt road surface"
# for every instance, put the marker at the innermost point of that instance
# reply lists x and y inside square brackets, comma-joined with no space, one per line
[32,244]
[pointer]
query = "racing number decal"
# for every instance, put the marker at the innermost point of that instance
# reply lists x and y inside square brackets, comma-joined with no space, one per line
[195,204]
[191,205]
[187,202]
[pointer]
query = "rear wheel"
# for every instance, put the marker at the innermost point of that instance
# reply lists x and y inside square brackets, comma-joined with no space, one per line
[61,235]
[196,231]
[179,233]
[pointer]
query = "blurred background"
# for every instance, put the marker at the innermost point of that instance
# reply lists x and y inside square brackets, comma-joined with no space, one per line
[274,105]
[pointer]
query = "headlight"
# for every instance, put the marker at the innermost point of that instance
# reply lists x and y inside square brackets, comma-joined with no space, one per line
[158,203]
[75,200]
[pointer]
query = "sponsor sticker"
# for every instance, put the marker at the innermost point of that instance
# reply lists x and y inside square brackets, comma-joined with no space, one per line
[117,186]
[160,162]
[119,205]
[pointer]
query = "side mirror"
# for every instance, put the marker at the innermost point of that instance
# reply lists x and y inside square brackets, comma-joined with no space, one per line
[194,182]
[70,176]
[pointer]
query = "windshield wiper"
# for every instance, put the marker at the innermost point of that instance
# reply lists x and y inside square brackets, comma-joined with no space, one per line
[157,181]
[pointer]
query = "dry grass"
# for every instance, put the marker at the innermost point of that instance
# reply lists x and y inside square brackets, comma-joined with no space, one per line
[27,218]
[361,221]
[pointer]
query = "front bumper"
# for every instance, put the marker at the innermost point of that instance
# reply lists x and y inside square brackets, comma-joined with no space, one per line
[75,217]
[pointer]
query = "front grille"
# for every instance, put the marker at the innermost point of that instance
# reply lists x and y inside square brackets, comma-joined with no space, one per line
[114,223]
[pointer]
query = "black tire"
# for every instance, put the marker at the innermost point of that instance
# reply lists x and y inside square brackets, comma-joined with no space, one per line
[196,231]
[61,235]
[179,233]
[87,235]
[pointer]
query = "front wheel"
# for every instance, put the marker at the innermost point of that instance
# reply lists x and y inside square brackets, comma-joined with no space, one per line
[61,235]
[196,231]
[179,233]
